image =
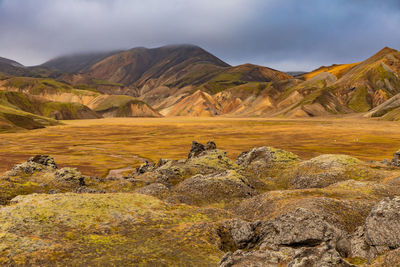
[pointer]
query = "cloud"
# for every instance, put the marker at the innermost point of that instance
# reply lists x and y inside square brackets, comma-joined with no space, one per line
[288,35]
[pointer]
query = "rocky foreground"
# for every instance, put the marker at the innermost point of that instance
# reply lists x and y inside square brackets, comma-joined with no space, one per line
[267,208]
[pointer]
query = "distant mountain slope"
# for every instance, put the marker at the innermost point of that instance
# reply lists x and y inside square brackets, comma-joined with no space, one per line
[186,80]
[337,70]
[61,101]
[77,62]
[13,119]
[122,106]
[350,88]
[56,110]
[11,67]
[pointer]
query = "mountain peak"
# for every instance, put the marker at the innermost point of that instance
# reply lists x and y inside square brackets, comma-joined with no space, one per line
[386,50]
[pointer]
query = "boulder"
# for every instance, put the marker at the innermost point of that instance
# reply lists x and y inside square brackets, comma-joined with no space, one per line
[298,238]
[210,145]
[34,164]
[255,258]
[396,159]
[44,160]
[300,227]
[382,226]
[197,148]
[145,167]
[265,157]
[236,234]
[323,171]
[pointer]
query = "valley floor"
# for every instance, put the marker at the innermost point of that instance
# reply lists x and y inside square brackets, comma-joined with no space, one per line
[98,146]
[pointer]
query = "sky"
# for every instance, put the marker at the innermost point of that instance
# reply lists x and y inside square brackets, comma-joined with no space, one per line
[289,35]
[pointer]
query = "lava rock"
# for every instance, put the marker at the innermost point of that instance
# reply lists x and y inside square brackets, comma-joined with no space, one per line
[196,149]
[70,175]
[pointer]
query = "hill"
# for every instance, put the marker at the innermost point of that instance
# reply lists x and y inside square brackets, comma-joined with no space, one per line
[14,119]
[75,63]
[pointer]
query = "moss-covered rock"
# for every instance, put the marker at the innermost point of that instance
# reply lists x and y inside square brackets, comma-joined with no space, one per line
[328,169]
[112,229]
[201,189]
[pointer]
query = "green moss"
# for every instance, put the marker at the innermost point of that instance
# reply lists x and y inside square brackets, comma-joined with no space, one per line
[24,120]
[117,102]
[224,81]
[359,101]
[357,261]
[106,83]
[37,86]
[119,229]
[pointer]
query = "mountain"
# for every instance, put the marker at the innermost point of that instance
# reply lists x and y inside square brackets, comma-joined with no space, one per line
[11,67]
[50,98]
[75,63]
[186,80]
[139,69]
[122,106]
[12,119]
[348,88]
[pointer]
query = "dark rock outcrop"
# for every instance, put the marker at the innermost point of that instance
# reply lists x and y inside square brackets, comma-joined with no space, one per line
[34,164]
[44,160]
[198,148]
[396,159]
[145,167]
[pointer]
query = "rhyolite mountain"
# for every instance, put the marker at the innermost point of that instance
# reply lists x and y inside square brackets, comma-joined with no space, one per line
[186,80]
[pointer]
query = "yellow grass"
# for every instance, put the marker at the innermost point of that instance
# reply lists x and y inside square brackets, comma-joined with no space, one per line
[96,146]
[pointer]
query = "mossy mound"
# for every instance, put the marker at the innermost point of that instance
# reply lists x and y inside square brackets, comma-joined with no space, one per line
[328,169]
[263,166]
[172,172]
[116,229]
[227,186]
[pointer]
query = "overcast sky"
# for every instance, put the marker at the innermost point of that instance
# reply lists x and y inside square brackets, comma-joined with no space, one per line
[283,34]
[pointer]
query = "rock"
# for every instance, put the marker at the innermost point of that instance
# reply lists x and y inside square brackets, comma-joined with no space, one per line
[145,167]
[44,160]
[322,171]
[265,157]
[237,234]
[322,255]
[26,168]
[162,162]
[307,237]
[382,226]
[70,175]
[300,227]
[319,256]
[202,189]
[358,245]
[210,145]
[155,190]
[34,164]
[255,258]
[389,259]
[396,159]
[87,190]
[196,149]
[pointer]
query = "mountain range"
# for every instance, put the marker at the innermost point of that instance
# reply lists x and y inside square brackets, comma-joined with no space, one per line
[186,80]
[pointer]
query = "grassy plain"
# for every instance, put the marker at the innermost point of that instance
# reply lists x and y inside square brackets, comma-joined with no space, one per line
[97,146]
